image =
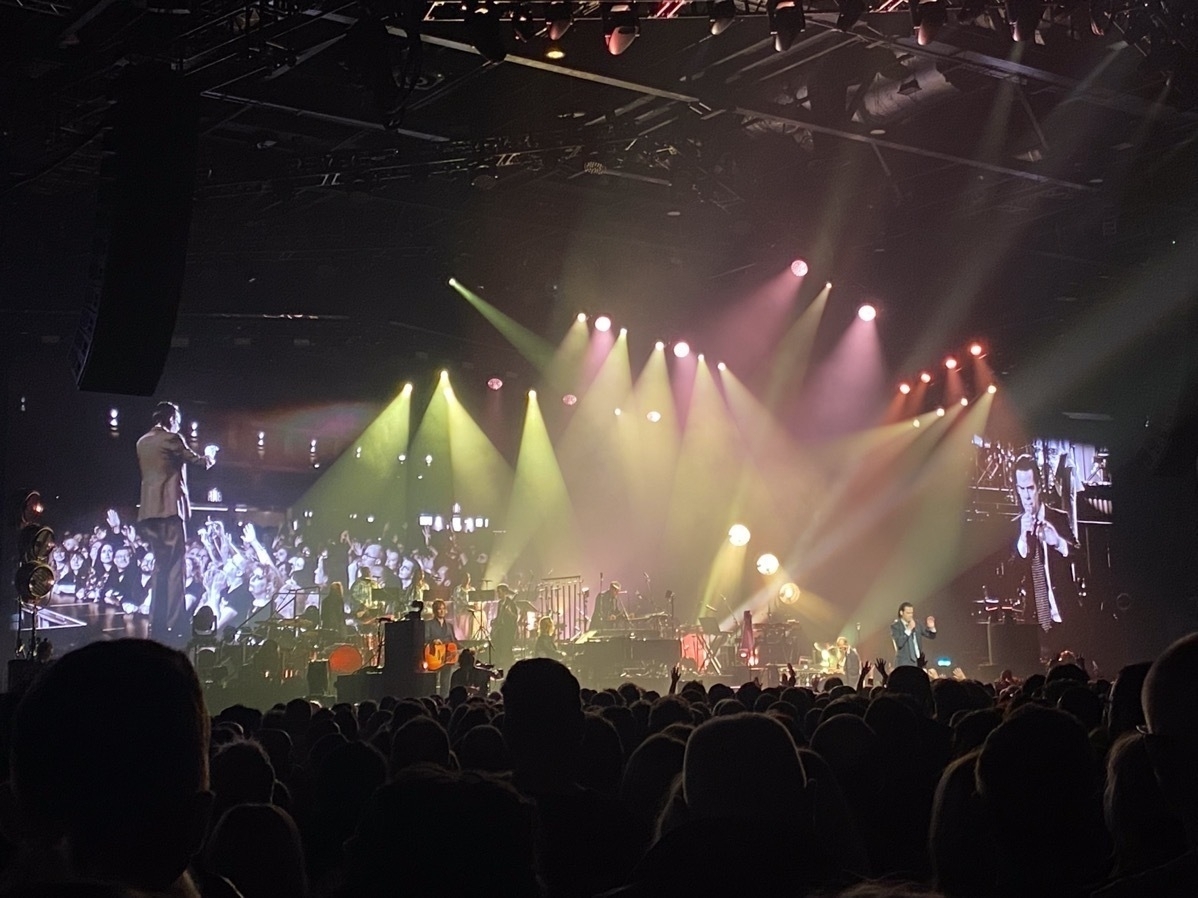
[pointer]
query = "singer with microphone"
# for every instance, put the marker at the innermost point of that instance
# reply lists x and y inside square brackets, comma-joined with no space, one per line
[1045,543]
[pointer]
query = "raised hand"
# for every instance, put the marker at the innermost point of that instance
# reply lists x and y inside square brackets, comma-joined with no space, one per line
[880,666]
[250,534]
[1049,534]
[866,667]
[675,673]
[931,622]
[922,661]
[113,519]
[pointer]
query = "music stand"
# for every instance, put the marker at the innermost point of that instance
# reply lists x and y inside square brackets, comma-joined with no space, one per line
[713,640]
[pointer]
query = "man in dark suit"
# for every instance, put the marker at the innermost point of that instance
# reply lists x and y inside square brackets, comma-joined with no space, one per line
[162,516]
[908,636]
[1046,543]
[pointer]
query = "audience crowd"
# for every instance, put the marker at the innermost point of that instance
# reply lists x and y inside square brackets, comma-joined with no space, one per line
[120,783]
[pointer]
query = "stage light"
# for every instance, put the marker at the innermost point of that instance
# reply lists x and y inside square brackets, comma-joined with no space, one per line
[495,383]
[788,593]
[681,349]
[444,374]
[603,324]
[739,535]
[653,416]
[867,312]
[532,394]
[940,412]
[558,19]
[618,413]
[401,458]
[925,378]
[428,461]
[722,13]
[950,363]
[975,350]
[453,282]
[621,26]
[799,268]
[768,564]
[915,423]
[407,388]
[964,401]
[904,389]
[555,52]
[582,318]
[850,12]
[569,399]
[927,18]
[787,22]
[700,357]
[623,332]
[659,345]
[523,25]
[1023,17]
[485,30]
[991,389]
[721,366]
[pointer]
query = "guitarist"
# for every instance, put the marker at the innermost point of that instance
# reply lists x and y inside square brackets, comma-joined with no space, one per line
[440,630]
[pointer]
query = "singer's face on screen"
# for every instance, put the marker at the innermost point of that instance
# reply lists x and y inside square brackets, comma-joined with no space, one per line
[1029,493]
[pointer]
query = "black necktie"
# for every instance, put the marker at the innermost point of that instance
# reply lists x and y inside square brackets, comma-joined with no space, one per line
[1040,583]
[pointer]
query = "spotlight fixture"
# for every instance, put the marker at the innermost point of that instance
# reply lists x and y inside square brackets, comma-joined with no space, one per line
[991,389]
[904,388]
[722,13]
[787,22]
[721,366]
[738,535]
[799,268]
[915,422]
[621,26]
[603,324]
[623,332]
[964,402]
[555,52]
[570,399]
[788,593]
[618,413]
[950,363]
[495,383]
[850,12]
[975,350]
[558,19]
[925,378]
[927,18]
[653,417]
[940,412]
[768,564]
[532,394]
[867,312]
[524,26]
[582,318]
[1023,16]
[484,29]
[659,345]
[681,349]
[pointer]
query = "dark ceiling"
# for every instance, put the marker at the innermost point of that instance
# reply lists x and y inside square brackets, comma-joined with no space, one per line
[975,185]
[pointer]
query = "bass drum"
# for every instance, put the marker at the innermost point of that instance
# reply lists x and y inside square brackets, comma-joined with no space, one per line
[344,660]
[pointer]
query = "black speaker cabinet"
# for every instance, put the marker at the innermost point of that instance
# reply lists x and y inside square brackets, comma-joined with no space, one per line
[403,654]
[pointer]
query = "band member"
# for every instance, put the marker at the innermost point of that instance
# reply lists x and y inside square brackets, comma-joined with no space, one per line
[162,516]
[907,636]
[850,661]
[504,626]
[608,611]
[462,611]
[546,646]
[472,675]
[440,630]
[1045,541]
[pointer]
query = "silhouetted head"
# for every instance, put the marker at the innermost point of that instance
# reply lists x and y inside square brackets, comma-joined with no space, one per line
[130,702]
[542,723]
[1171,718]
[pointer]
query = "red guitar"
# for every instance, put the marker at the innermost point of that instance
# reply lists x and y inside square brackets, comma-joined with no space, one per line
[437,654]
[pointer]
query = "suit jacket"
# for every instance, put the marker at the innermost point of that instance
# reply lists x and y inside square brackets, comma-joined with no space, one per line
[162,456]
[905,649]
[1060,570]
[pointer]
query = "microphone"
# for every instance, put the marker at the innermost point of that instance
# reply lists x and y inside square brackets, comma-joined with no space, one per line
[709,608]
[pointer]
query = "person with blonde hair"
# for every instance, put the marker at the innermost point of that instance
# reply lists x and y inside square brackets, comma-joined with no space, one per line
[546,645]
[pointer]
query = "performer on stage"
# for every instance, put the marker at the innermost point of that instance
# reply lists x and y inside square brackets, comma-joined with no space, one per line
[850,661]
[440,629]
[472,675]
[546,646]
[907,636]
[504,626]
[608,613]
[1045,541]
[162,516]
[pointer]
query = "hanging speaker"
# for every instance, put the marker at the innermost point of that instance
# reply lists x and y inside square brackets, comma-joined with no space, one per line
[147,178]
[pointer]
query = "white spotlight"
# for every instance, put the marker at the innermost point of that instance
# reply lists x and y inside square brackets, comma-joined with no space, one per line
[991,389]
[659,346]
[867,312]
[768,564]
[739,535]
[799,268]
[681,349]
[603,324]
[653,417]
